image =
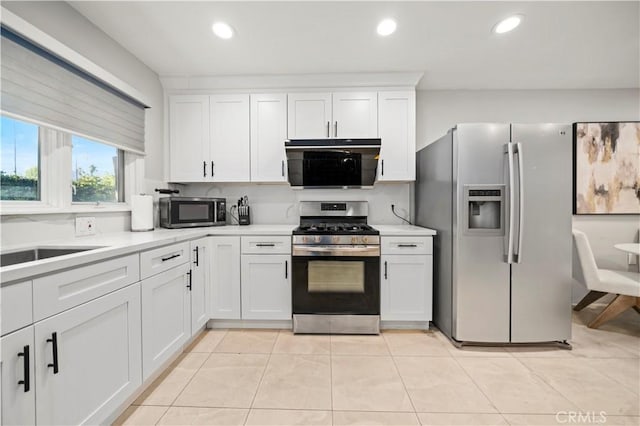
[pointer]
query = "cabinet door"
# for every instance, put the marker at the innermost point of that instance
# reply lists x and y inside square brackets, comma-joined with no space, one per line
[406,288]
[189,138]
[225,278]
[229,124]
[268,133]
[309,115]
[96,349]
[397,115]
[166,316]
[355,115]
[266,287]
[17,376]
[199,283]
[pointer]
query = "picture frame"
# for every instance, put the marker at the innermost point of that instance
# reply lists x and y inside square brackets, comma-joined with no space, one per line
[606,168]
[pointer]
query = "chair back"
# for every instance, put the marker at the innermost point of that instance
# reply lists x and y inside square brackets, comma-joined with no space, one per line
[586,259]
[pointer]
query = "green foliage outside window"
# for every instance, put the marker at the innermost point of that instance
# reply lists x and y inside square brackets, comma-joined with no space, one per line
[90,187]
[19,188]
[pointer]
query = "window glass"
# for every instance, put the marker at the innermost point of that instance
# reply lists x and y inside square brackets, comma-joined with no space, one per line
[96,171]
[19,161]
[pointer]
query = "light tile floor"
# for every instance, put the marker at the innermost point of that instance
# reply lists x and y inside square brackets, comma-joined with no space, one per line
[271,377]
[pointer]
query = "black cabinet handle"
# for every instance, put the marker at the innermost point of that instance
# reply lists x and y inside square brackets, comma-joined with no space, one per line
[54,349]
[382,167]
[282,168]
[26,381]
[407,245]
[164,259]
[189,285]
[335,130]
[197,262]
[286,269]
[328,124]
[385,269]
[204,169]
[212,169]
[265,245]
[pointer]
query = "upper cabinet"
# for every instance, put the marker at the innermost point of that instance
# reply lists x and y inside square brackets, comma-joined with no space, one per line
[229,127]
[309,115]
[188,138]
[209,138]
[397,124]
[240,137]
[268,133]
[333,115]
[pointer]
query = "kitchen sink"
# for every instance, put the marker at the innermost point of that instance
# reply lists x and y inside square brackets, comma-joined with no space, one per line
[38,253]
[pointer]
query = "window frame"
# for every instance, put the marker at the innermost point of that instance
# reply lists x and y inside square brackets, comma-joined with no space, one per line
[55,188]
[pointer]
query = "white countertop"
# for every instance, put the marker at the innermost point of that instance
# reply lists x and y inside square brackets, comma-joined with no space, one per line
[123,243]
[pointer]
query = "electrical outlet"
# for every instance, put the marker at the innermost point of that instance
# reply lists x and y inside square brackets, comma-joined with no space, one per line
[85,226]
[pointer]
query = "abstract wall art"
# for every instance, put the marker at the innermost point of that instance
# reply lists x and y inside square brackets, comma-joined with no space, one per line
[606,168]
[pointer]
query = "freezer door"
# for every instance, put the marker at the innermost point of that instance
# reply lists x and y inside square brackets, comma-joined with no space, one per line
[480,274]
[541,274]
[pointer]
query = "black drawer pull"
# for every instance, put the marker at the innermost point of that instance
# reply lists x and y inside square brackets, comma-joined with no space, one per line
[54,349]
[407,245]
[197,262]
[385,269]
[26,381]
[286,269]
[164,259]
[189,285]
[204,169]
[265,245]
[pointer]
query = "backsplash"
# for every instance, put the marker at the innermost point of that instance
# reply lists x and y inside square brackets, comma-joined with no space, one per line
[278,203]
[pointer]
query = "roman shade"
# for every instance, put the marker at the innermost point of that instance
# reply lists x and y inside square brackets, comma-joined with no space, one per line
[39,86]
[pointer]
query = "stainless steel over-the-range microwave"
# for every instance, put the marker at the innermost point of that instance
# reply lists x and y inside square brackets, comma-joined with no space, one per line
[189,212]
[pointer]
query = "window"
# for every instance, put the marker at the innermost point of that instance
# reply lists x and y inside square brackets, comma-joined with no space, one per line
[20,161]
[97,172]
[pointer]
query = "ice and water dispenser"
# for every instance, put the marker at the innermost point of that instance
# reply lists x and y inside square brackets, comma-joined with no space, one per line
[484,209]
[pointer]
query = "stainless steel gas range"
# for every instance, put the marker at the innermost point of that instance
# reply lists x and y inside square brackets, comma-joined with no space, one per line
[335,269]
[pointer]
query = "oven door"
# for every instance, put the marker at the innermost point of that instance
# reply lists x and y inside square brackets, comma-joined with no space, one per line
[330,283]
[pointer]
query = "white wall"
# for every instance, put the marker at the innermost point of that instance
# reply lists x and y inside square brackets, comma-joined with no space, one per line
[439,110]
[279,203]
[65,24]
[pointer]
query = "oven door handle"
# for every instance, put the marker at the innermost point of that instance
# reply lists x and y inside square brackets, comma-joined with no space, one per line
[337,251]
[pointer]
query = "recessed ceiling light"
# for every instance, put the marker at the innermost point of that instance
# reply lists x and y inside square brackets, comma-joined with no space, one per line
[222,30]
[507,24]
[386,27]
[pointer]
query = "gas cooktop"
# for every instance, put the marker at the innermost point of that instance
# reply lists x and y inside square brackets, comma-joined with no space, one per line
[335,228]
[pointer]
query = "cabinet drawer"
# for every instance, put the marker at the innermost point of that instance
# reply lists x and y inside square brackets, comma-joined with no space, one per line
[261,244]
[16,306]
[58,292]
[406,245]
[164,258]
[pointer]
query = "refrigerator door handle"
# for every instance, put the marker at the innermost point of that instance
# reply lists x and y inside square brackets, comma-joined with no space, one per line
[508,257]
[517,257]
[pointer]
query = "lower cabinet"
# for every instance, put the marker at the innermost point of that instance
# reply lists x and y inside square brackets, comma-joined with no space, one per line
[17,376]
[166,316]
[87,359]
[224,256]
[406,287]
[266,287]
[199,279]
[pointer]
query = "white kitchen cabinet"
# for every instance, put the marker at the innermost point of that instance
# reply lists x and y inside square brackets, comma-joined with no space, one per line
[309,115]
[332,115]
[268,133]
[189,138]
[229,138]
[88,359]
[406,287]
[199,283]
[166,316]
[17,377]
[17,302]
[397,129]
[225,278]
[266,287]
[355,115]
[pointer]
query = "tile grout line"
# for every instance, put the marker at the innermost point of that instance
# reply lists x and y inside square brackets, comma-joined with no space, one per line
[331,380]
[493,404]
[404,385]
[264,371]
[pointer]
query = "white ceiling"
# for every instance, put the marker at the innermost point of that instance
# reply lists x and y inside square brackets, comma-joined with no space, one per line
[559,44]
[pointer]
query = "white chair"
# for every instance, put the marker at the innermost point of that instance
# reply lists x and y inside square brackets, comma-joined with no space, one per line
[625,285]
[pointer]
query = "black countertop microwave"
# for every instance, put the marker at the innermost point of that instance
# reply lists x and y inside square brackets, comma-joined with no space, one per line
[191,212]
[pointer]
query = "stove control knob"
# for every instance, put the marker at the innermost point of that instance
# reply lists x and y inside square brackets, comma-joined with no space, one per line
[318,238]
[304,240]
[354,240]
[335,239]
[364,240]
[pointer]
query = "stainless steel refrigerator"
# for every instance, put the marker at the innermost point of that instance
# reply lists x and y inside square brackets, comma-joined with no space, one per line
[499,196]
